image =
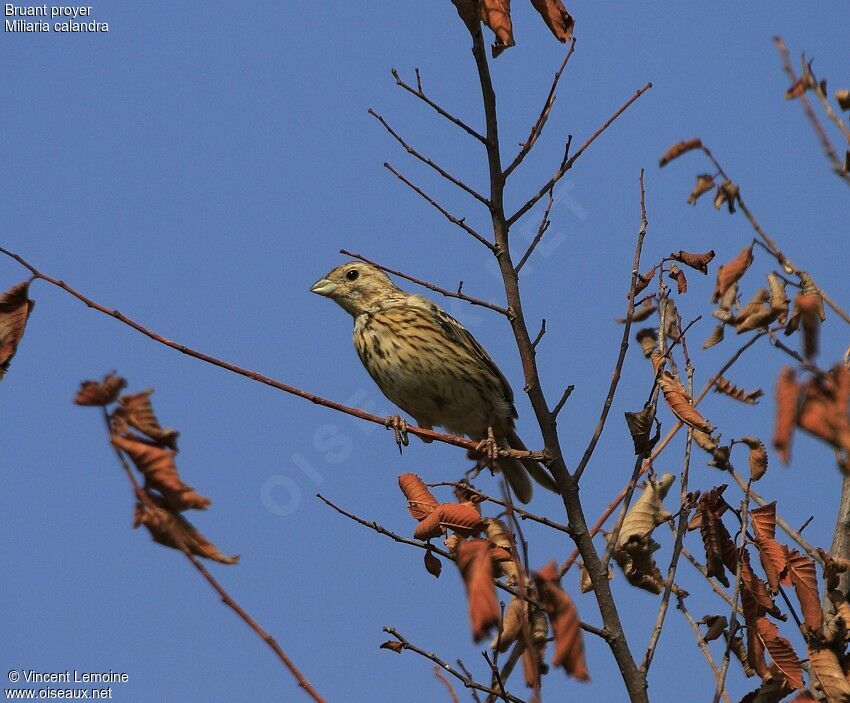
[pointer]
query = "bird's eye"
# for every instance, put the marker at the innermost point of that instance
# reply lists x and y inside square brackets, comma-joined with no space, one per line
[352,275]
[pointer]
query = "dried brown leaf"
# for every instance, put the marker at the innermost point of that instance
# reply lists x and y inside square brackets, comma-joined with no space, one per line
[15,309]
[719,548]
[842,97]
[825,412]
[648,340]
[739,649]
[715,337]
[782,653]
[157,466]
[569,642]
[827,674]
[393,646]
[171,529]
[715,626]
[680,403]
[641,312]
[514,619]
[433,565]
[808,308]
[726,387]
[473,560]
[556,17]
[679,276]
[648,510]
[640,426]
[496,14]
[773,557]
[462,518]
[137,411]
[727,193]
[100,393]
[698,262]
[787,393]
[731,272]
[800,86]
[801,569]
[675,151]
[757,458]
[643,280]
[420,501]
[778,297]
[705,182]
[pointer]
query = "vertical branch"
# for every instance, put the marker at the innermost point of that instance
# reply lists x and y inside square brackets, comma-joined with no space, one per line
[633,679]
[841,537]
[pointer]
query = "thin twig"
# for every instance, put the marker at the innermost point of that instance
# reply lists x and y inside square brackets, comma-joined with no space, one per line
[567,164]
[826,142]
[465,679]
[430,286]
[459,221]
[677,546]
[226,598]
[419,93]
[537,128]
[541,230]
[425,160]
[540,333]
[568,391]
[624,343]
[703,646]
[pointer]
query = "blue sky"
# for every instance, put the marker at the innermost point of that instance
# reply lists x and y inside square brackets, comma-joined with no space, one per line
[198,168]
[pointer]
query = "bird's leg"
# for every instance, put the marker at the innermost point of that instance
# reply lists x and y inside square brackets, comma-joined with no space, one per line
[488,449]
[398,425]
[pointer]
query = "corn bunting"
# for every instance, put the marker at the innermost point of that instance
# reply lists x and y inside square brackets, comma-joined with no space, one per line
[426,363]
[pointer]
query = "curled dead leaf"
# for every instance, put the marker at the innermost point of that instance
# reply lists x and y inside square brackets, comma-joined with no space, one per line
[462,518]
[715,337]
[648,340]
[675,151]
[680,403]
[640,426]
[739,649]
[514,619]
[433,565]
[698,262]
[726,193]
[15,309]
[787,392]
[757,458]
[726,387]
[393,646]
[100,393]
[641,313]
[173,530]
[842,97]
[778,297]
[569,642]
[420,501]
[473,560]
[825,411]
[808,311]
[679,276]
[705,182]
[556,17]
[731,272]
[719,548]
[715,626]
[643,279]
[157,465]
[136,410]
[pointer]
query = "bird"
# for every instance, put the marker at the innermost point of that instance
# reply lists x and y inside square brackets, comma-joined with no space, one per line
[426,363]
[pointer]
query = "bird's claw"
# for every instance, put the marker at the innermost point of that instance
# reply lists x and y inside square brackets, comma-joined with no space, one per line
[397,424]
[488,449]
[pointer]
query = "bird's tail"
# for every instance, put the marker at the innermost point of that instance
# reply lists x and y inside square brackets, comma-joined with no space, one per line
[517,471]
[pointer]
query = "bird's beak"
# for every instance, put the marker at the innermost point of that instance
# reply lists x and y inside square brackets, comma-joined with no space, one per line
[323,287]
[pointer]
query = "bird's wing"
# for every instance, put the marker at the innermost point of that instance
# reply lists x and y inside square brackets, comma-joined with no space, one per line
[460,335]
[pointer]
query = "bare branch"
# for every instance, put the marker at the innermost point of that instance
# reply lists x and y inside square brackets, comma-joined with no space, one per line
[425,160]
[448,684]
[419,93]
[568,391]
[537,128]
[701,643]
[144,498]
[430,286]
[459,221]
[540,333]
[260,378]
[567,164]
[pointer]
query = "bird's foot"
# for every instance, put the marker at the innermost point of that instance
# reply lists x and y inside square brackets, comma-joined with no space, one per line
[488,449]
[397,424]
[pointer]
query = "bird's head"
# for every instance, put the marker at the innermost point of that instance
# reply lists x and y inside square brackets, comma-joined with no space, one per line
[356,287]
